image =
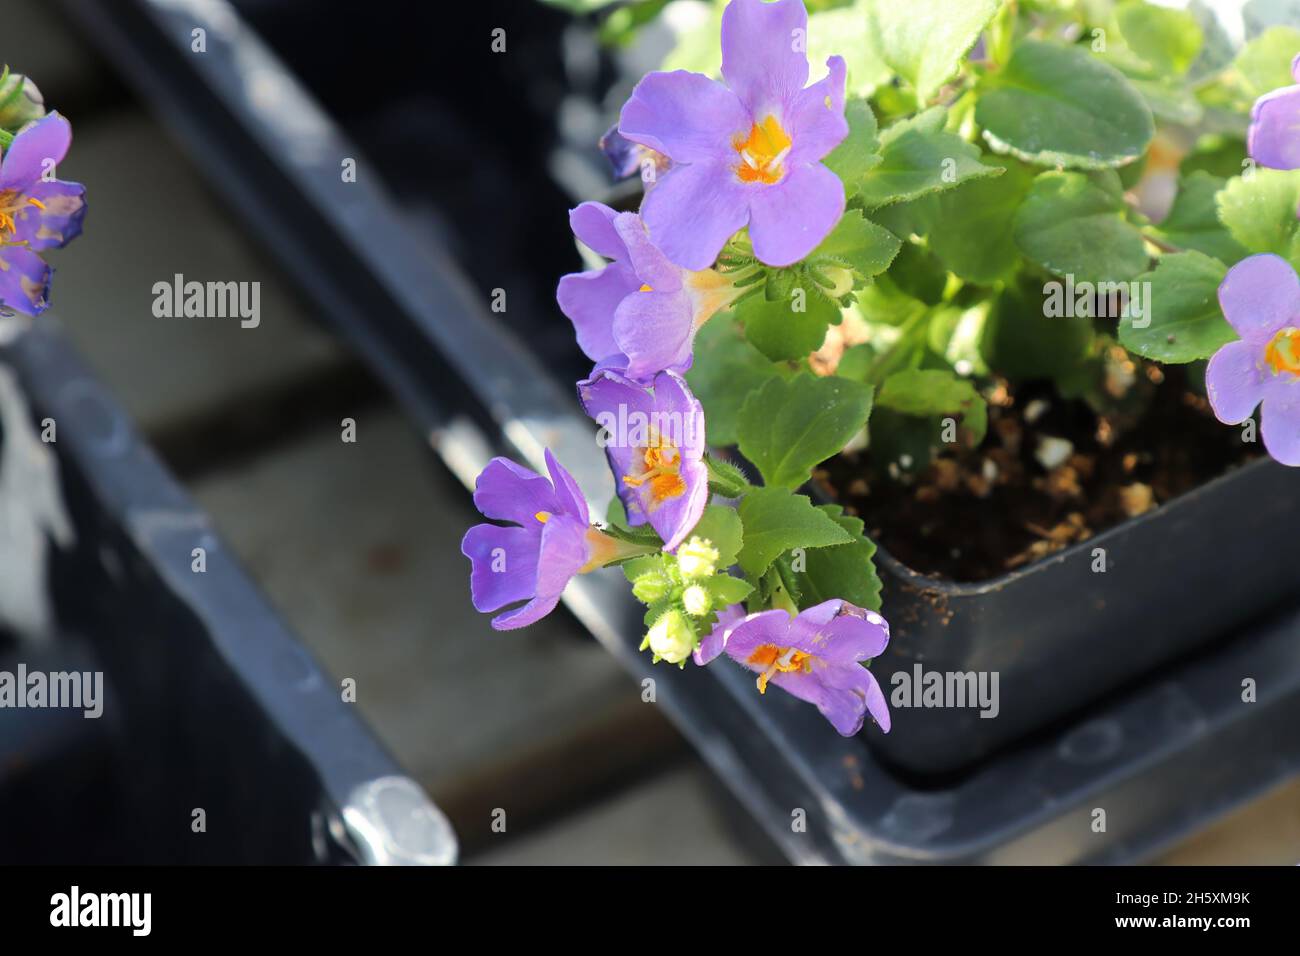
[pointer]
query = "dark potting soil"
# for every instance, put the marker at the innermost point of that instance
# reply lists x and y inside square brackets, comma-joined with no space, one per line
[975,514]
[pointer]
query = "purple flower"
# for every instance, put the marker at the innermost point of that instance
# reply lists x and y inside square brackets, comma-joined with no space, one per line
[640,313]
[655,443]
[1260,296]
[35,213]
[816,656]
[1273,139]
[626,157]
[747,152]
[550,541]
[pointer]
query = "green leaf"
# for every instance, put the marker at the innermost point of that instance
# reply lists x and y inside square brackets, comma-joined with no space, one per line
[1193,222]
[1060,106]
[791,326]
[1264,64]
[859,244]
[919,157]
[1022,342]
[931,392]
[721,526]
[725,478]
[976,242]
[1259,210]
[1183,311]
[1070,225]
[725,371]
[925,40]
[845,571]
[777,521]
[860,150]
[787,428]
[1168,40]
[845,32]
[726,590]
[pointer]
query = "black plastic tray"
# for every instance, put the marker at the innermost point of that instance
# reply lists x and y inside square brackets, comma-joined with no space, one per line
[1155,757]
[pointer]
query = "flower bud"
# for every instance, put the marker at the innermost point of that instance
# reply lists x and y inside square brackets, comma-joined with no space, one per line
[697,558]
[20,102]
[672,638]
[650,587]
[697,601]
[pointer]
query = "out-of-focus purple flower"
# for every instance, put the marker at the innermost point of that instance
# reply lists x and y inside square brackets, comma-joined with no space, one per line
[1273,139]
[549,542]
[655,443]
[1260,296]
[35,213]
[626,157]
[747,152]
[639,314]
[816,656]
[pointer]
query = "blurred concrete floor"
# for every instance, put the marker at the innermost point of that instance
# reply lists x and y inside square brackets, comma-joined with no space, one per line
[357,543]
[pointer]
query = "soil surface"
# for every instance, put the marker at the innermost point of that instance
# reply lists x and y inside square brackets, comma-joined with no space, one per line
[1050,472]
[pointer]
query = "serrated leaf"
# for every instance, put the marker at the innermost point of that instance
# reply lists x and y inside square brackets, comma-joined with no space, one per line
[777,521]
[1264,64]
[975,242]
[721,526]
[930,392]
[1070,225]
[648,564]
[1058,105]
[726,590]
[858,152]
[845,32]
[788,427]
[1168,40]
[845,571]
[1183,311]
[1022,342]
[859,244]
[790,326]
[1259,210]
[925,40]
[726,369]
[1193,222]
[919,157]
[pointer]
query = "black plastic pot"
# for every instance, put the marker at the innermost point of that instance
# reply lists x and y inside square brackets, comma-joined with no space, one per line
[1161,757]
[1062,632]
[209,703]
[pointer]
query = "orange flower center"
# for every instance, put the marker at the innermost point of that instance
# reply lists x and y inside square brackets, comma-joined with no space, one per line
[661,464]
[778,660]
[1282,354]
[11,201]
[761,152]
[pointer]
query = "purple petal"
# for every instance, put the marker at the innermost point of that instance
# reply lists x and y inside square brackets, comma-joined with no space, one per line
[686,116]
[839,632]
[505,491]
[716,640]
[788,220]
[593,223]
[59,222]
[589,300]
[850,692]
[650,265]
[504,564]
[816,118]
[673,396]
[1280,424]
[564,551]
[762,56]
[765,627]
[623,409]
[24,280]
[1234,381]
[694,210]
[1259,296]
[25,161]
[570,496]
[656,331]
[1271,140]
[675,518]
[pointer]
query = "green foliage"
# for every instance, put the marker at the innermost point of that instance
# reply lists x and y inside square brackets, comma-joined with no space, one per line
[1074,224]
[777,521]
[923,41]
[1185,323]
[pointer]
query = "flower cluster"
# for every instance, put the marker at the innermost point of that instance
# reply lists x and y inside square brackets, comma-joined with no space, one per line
[739,191]
[37,210]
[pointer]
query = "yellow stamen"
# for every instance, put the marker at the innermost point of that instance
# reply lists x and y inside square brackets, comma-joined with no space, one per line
[778,660]
[761,152]
[1282,354]
[543,516]
[645,288]
[661,466]
[36,202]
